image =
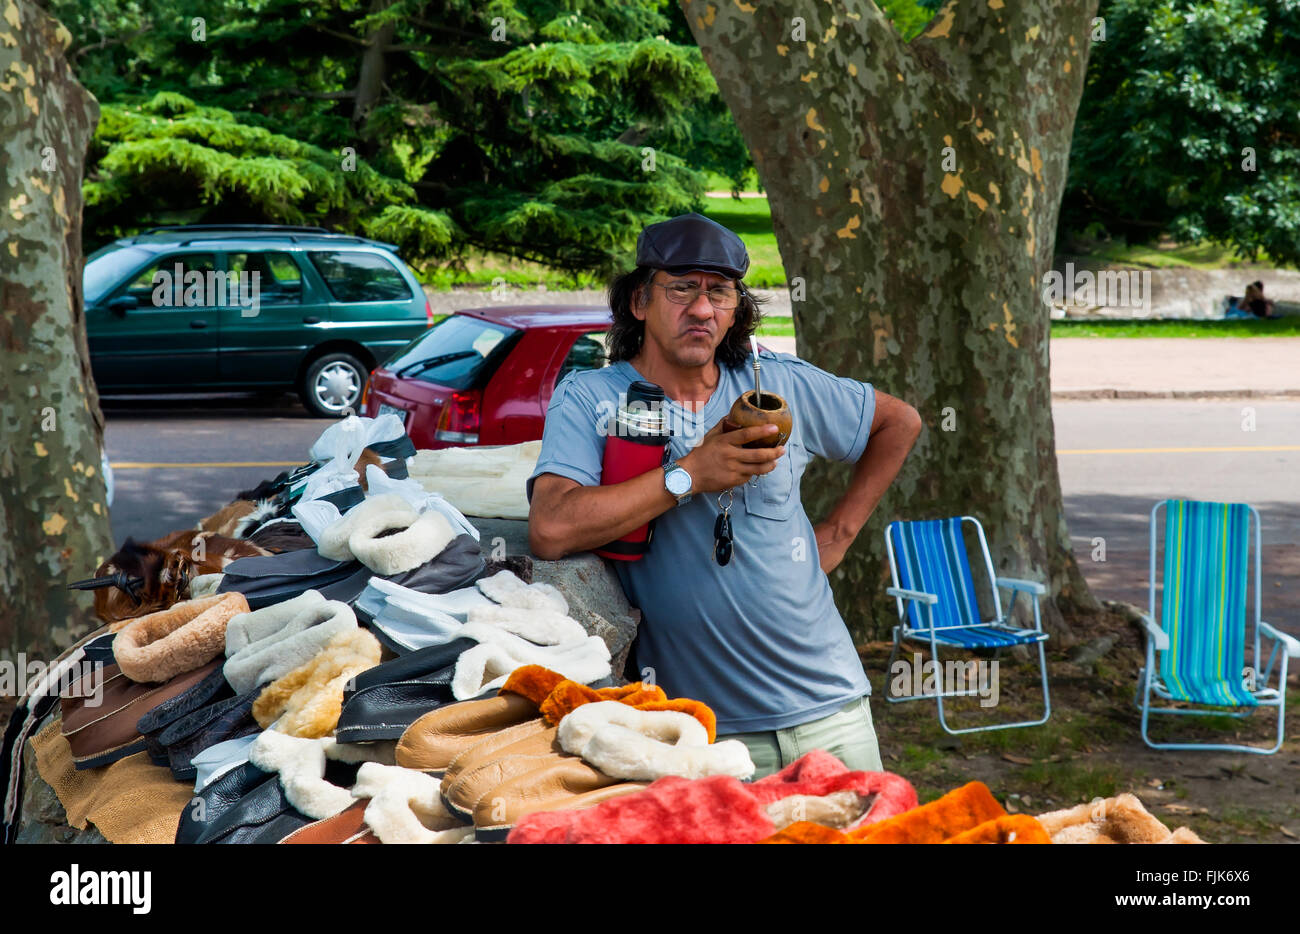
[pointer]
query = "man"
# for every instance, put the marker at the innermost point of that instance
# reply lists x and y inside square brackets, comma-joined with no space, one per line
[759,639]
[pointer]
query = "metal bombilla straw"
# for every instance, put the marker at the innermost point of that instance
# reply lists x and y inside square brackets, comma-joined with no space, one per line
[758,393]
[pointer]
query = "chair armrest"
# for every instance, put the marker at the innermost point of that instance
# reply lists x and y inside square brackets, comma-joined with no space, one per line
[917,595]
[1015,583]
[1155,633]
[1289,642]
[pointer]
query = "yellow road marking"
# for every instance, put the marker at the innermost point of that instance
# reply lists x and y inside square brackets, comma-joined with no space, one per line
[1215,450]
[146,465]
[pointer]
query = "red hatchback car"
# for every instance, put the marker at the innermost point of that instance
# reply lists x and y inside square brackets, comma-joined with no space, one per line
[486,375]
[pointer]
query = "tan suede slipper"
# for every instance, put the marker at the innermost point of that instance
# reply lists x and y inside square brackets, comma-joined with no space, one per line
[568,783]
[435,739]
[460,796]
[493,745]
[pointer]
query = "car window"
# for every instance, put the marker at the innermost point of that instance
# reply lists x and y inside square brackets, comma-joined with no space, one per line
[169,283]
[455,352]
[587,353]
[106,267]
[360,277]
[274,276]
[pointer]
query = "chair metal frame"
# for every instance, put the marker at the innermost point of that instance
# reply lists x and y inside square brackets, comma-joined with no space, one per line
[928,600]
[1157,640]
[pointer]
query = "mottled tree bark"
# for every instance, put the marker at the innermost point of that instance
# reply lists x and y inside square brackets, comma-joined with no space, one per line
[914,190]
[52,495]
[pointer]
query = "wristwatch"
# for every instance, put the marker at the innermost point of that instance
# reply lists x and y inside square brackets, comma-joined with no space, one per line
[677,481]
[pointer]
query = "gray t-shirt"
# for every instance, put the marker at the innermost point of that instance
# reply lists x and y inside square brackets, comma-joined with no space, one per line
[760,640]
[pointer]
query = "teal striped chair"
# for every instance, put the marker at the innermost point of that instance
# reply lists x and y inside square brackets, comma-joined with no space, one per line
[1197,655]
[935,592]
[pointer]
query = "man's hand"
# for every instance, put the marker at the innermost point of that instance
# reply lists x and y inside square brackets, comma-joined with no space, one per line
[832,543]
[720,462]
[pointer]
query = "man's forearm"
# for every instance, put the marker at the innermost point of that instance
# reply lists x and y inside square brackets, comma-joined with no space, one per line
[587,517]
[874,472]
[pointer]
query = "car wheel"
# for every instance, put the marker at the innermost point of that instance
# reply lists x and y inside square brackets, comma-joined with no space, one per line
[332,385]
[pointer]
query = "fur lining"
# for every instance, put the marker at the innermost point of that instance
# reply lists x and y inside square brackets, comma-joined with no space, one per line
[1013,828]
[533,682]
[624,742]
[543,627]
[162,645]
[1121,819]
[487,665]
[295,644]
[205,585]
[254,626]
[300,764]
[839,809]
[697,709]
[508,590]
[390,510]
[308,700]
[807,832]
[406,806]
[960,809]
[418,543]
[568,696]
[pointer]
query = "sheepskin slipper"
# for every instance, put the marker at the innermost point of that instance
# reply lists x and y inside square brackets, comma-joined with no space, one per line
[551,785]
[162,645]
[247,629]
[959,810]
[539,626]
[717,809]
[1121,819]
[435,739]
[388,553]
[568,696]
[532,737]
[345,827]
[295,632]
[300,764]
[499,653]
[508,590]
[375,515]
[471,785]
[818,774]
[405,806]
[625,742]
[307,701]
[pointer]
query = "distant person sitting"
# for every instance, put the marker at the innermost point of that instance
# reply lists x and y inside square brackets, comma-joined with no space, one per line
[1255,302]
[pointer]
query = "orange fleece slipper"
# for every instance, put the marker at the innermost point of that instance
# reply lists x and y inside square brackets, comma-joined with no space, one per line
[959,810]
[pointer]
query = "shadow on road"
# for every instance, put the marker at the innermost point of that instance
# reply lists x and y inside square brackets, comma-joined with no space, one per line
[205,406]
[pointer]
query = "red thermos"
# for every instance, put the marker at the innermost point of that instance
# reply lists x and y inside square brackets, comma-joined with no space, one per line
[635,442]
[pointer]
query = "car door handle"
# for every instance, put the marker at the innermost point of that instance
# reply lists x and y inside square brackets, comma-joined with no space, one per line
[198,324]
[311,319]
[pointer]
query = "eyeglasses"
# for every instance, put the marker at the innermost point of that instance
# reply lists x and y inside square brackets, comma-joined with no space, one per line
[722,297]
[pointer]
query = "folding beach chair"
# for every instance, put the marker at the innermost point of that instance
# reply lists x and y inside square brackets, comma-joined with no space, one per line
[1201,639]
[935,593]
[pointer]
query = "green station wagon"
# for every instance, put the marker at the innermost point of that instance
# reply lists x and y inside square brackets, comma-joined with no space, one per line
[249,307]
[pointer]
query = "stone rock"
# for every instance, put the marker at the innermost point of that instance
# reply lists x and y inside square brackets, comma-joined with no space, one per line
[42,818]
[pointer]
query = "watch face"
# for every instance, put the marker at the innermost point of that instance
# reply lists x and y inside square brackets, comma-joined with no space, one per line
[678,481]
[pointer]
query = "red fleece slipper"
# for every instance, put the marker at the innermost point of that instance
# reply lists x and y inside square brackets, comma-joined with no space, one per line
[717,809]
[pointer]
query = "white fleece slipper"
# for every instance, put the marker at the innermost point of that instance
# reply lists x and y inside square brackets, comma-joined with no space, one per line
[247,628]
[644,745]
[507,589]
[406,805]
[300,764]
[294,644]
[418,542]
[540,627]
[376,513]
[487,665]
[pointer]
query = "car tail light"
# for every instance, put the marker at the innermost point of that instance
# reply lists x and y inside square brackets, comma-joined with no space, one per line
[459,422]
[365,393]
[428,312]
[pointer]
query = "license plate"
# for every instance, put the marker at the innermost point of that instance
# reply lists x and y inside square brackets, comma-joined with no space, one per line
[392,410]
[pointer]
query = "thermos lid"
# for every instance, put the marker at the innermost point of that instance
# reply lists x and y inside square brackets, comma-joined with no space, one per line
[645,391]
[641,418]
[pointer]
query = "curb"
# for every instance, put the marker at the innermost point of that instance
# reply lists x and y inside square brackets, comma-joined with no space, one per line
[1068,394]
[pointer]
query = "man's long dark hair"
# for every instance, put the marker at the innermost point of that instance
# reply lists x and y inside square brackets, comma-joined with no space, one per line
[627,334]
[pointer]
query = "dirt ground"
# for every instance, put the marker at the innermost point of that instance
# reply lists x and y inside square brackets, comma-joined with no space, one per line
[1092,746]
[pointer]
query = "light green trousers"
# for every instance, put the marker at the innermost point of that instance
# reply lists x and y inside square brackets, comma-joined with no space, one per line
[848,734]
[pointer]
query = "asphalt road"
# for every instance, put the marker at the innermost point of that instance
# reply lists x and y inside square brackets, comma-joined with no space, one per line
[181,458]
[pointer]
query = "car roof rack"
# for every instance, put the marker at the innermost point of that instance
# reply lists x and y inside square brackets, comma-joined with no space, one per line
[269,228]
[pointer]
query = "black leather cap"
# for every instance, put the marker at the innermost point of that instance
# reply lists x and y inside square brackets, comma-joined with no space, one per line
[689,242]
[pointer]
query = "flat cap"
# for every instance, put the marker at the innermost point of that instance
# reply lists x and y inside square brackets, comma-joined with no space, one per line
[692,241]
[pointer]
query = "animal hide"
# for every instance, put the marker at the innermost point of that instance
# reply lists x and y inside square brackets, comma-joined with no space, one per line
[146,577]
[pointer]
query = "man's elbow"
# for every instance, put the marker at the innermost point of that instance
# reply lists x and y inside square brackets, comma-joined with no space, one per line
[543,540]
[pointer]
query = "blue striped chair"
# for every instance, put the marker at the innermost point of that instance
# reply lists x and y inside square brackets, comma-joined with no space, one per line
[1201,639]
[935,593]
